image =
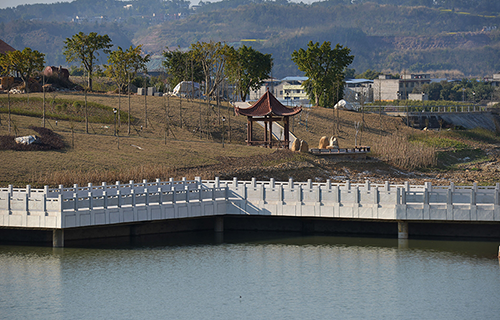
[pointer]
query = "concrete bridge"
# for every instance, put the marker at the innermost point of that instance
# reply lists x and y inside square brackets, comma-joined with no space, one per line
[82,210]
[468,117]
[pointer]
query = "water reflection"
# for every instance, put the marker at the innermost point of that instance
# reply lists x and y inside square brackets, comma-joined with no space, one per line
[280,275]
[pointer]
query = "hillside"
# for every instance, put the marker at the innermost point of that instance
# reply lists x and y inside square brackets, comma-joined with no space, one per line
[382,36]
[189,144]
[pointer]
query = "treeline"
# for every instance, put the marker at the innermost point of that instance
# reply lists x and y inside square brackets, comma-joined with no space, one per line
[465,90]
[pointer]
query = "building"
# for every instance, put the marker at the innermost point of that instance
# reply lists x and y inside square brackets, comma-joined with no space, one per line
[4,47]
[388,88]
[292,89]
[357,89]
[274,86]
[495,82]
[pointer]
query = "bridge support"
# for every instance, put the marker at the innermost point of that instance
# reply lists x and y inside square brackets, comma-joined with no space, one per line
[219,224]
[402,230]
[58,238]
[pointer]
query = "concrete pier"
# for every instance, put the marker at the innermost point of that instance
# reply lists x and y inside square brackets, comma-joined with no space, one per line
[58,238]
[219,224]
[402,229]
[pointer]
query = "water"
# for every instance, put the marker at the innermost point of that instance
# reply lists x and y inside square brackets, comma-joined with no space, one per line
[252,276]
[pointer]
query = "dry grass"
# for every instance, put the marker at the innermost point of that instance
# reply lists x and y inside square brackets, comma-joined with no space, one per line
[399,152]
[181,145]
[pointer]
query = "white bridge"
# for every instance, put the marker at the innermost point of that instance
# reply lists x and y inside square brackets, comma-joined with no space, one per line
[96,205]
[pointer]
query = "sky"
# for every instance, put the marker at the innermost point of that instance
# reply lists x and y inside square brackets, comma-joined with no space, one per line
[14,3]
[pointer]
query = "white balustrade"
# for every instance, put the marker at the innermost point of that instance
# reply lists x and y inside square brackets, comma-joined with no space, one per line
[116,203]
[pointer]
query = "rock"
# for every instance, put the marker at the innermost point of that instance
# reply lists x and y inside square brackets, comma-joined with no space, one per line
[334,144]
[304,147]
[323,142]
[296,145]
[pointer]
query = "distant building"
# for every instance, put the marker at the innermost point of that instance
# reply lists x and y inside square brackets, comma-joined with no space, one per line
[354,88]
[495,82]
[292,89]
[387,88]
[4,47]
[274,85]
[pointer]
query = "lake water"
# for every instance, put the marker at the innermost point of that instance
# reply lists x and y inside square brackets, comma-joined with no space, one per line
[252,276]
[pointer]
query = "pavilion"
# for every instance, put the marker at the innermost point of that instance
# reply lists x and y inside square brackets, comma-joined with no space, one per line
[268,110]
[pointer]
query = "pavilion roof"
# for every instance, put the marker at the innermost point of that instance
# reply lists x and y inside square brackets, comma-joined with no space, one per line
[268,105]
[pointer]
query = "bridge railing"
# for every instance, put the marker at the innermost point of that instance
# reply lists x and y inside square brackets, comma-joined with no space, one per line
[423,108]
[46,207]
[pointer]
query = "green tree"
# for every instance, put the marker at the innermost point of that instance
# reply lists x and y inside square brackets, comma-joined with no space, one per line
[369,74]
[247,68]
[85,49]
[24,63]
[433,90]
[212,57]
[182,66]
[324,68]
[124,65]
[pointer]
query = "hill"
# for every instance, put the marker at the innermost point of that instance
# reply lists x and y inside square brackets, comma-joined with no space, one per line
[383,35]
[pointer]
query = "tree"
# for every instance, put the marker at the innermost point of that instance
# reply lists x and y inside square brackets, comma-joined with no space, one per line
[324,68]
[124,65]
[212,56]
[24,63]
[248,68]
[181,66]
[369,74]
[85,49]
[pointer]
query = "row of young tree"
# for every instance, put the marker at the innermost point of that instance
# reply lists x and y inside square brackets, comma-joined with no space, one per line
[247,68]
[213,62]
[208,62]
[83,49]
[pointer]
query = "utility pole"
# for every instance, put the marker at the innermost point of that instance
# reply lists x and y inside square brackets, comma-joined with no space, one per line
[8,104]
[43,88]
[86,114]
[128,93]
[145,104]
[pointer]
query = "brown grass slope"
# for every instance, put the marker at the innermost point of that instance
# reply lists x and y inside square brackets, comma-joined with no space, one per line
[164,149]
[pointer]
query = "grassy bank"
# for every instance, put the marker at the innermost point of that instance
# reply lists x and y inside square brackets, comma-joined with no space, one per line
[183,138]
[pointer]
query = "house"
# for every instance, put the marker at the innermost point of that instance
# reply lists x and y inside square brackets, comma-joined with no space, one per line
[4,47]
[388,88]
[355,88]
[274,86]
[495,81]
[292,89]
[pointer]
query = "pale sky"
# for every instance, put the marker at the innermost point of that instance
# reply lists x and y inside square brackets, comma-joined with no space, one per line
[14,3]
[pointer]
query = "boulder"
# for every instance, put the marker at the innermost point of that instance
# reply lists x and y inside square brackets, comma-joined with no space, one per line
[296,145]
[304,147]
[323,143]
[334,144]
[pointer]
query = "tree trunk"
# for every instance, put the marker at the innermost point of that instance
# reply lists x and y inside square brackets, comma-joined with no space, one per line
[89,81]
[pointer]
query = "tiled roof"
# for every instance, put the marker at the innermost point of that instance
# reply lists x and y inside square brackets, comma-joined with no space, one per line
[4,47]
[268,105]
